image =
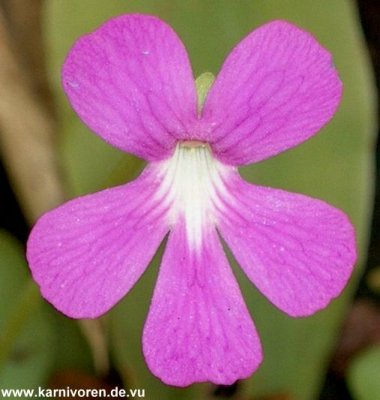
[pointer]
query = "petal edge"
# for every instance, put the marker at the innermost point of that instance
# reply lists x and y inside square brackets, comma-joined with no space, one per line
[198,328]
[298,251]
[87,254]
[275,90]
[131,82]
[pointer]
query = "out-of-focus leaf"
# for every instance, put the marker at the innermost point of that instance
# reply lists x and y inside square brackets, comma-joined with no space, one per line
[90,164]
[335,165]
[72,352]
[363,375]
[26,337]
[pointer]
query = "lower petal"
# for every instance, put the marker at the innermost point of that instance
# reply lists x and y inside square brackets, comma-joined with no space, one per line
[298,251]
[198,328]
[86,254]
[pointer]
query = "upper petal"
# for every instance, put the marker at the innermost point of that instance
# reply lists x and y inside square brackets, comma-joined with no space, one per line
[86,254]
[277,88]
[198,328]
[298,251]
[131,82]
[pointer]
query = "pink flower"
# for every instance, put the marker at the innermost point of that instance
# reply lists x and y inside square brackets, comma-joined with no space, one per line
[131,82]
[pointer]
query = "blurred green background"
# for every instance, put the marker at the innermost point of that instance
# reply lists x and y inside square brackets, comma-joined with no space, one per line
[38,346]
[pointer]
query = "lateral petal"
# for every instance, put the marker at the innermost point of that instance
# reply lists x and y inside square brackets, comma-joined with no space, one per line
[298,251]
[87,254]
[276,89]
[131,82]
[198,328]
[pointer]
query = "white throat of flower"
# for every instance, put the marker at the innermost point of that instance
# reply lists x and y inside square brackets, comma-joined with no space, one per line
[192,182]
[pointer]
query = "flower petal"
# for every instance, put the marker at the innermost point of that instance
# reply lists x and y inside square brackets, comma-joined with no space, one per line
[298,251]
[198,328]
[88,253]
[277,88]
[130,81]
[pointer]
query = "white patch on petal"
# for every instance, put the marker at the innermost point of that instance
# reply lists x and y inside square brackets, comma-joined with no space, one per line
[193,182]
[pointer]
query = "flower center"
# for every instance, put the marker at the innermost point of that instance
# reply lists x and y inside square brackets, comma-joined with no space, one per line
[192,179]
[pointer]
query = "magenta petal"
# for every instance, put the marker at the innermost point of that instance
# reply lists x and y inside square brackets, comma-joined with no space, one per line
[198,327]
[298,251]
[277,88]
[86,254]
[131,82]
